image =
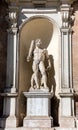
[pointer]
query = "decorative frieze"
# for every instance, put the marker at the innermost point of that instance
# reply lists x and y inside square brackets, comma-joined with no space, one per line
[61,1]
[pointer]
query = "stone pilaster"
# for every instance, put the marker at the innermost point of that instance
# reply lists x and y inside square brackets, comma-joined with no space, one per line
[12,51]
[11,61]
[10,94]
[66,92]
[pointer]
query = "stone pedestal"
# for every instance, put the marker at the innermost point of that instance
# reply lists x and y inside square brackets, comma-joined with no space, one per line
[9,119]
[38,109]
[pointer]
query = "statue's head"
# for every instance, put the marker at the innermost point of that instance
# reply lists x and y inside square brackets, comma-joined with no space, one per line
[38,42]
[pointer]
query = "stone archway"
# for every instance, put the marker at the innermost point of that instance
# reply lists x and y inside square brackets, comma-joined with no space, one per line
[47,30]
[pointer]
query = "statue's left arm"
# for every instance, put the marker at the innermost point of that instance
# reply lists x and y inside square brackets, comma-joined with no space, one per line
[48,59]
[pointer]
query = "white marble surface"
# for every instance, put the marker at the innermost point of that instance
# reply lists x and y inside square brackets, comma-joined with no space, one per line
[66,106]
[38,109]
[37,101]
[38,122]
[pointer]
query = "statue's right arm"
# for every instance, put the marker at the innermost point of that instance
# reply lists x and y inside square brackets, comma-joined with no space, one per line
[30,50]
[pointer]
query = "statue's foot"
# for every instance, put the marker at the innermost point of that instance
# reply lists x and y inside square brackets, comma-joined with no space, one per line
[41,87]
[31,89]
[44,88]
[37,88]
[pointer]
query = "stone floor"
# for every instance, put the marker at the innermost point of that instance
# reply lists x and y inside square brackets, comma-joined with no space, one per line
[58,128]
[24,128]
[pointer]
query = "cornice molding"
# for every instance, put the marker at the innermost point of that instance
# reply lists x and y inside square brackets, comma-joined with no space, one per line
[38,1]
[67,1]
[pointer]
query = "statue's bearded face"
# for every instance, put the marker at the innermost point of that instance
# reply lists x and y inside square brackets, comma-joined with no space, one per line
[38,42]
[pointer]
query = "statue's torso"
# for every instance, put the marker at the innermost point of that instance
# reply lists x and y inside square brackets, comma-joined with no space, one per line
[39,54]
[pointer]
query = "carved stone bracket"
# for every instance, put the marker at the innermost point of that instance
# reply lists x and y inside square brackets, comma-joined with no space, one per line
[67,16]
[13,16]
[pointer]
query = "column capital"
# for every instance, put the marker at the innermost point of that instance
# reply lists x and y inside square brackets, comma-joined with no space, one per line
[65,30]
[12,30]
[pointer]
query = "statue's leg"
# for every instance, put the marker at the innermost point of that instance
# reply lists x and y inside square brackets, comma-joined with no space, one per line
[35,70]
[32,81]
[43,74]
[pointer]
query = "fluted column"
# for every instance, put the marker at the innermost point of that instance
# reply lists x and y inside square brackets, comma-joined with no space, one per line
[11,60]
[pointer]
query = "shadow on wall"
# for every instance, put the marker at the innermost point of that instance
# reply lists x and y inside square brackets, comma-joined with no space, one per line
[54,110]
[52,86]
[51,76]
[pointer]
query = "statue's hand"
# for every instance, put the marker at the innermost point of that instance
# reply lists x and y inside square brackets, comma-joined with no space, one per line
[48,68]
[28,58]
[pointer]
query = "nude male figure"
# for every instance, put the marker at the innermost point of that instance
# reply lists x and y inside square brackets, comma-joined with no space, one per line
[39,56]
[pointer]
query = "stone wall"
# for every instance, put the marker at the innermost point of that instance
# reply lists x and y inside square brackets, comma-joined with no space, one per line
[3,48]
[75,55]
[75,47]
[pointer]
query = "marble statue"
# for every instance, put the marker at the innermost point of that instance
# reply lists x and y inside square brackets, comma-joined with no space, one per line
[39,55]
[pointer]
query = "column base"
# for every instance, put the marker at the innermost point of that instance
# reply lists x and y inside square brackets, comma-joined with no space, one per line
[37,121]
[9,122]
[67,122]
[10,90]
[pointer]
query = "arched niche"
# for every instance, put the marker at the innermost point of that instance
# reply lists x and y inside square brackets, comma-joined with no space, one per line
[46,29]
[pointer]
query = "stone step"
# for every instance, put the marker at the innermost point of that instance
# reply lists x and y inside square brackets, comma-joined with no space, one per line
[62,128]
[24,128]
